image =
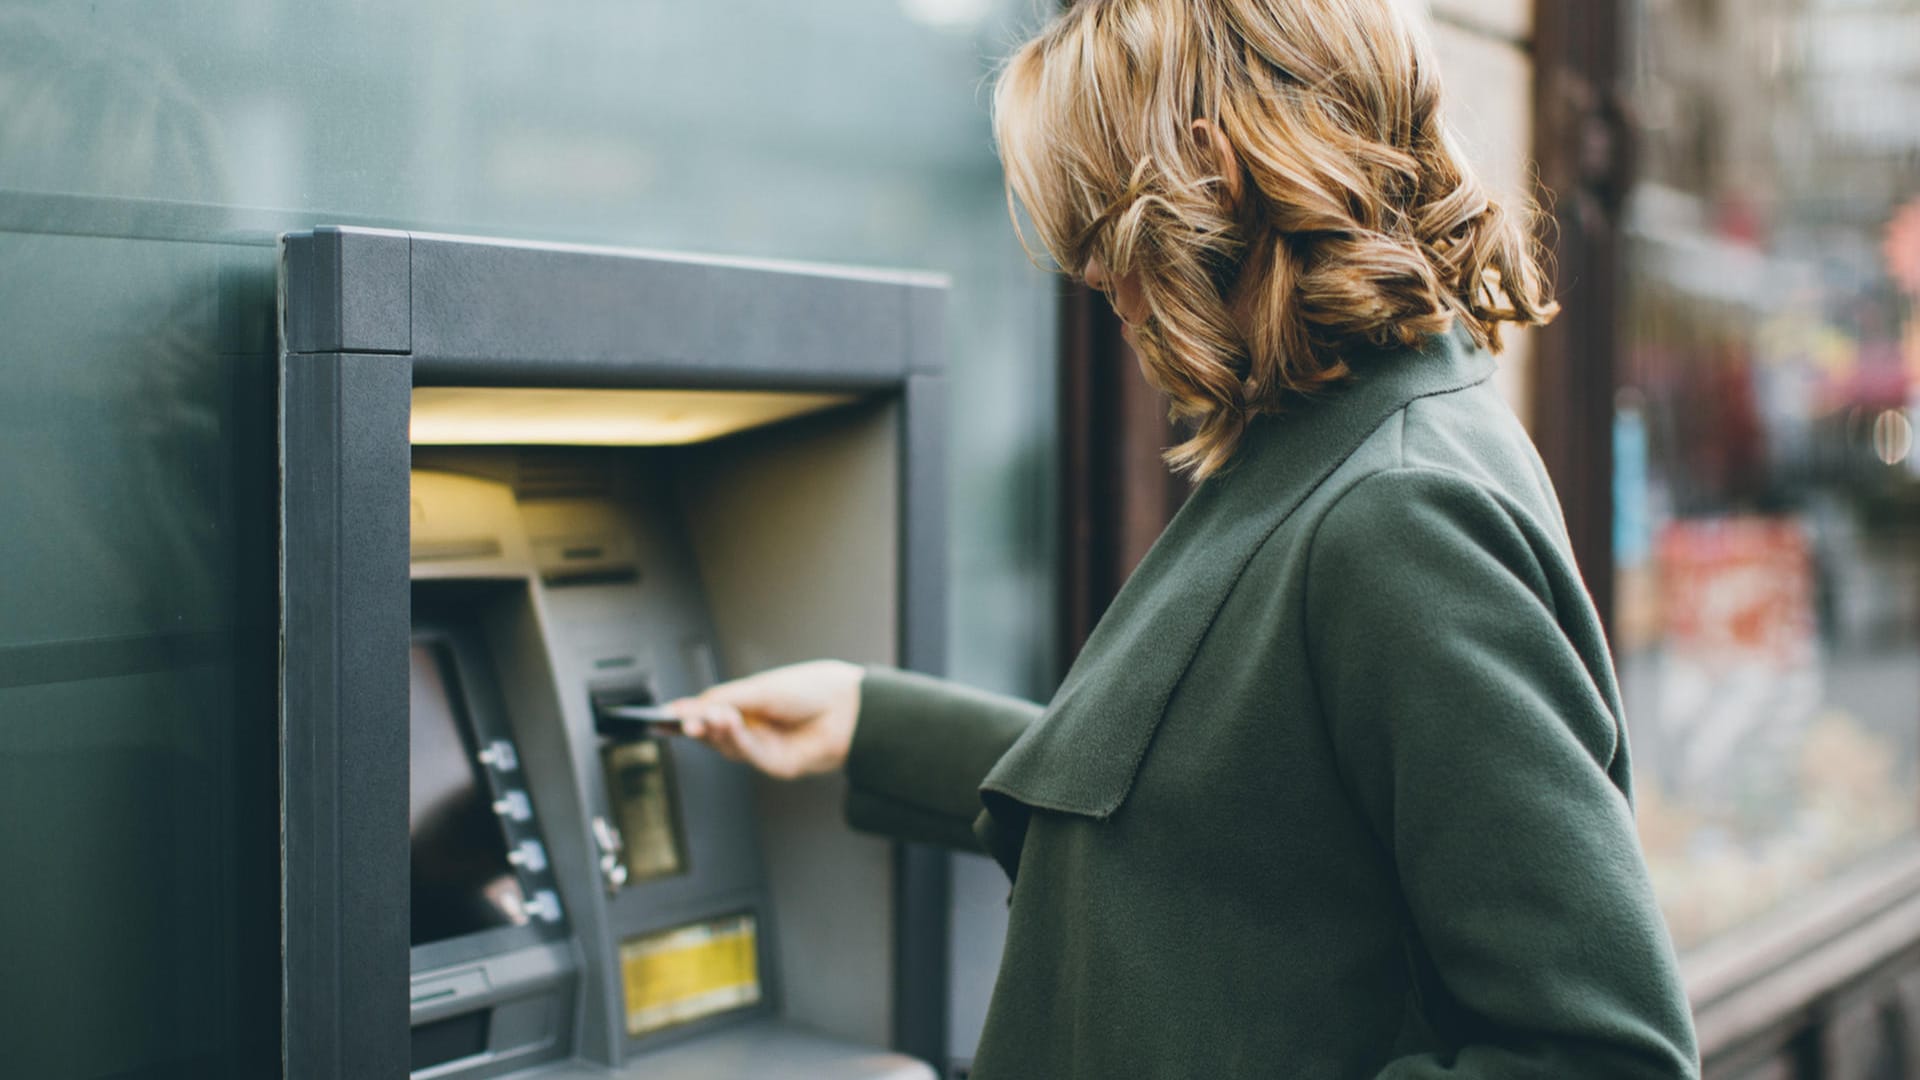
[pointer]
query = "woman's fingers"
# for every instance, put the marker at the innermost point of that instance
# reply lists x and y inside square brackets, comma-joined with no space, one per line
[691,714]
[787,722]
[724,728]
[704,720]
[772,750]
[696,715]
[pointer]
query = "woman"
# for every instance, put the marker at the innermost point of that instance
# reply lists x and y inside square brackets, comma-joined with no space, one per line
[1339,786]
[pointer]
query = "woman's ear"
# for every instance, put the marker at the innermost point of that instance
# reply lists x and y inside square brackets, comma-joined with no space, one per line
[1214,141]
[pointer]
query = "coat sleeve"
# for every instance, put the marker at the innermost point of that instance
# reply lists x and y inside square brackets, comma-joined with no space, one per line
[919,753]
[1483,747]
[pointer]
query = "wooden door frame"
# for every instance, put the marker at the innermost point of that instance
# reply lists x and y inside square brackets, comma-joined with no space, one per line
[1583,144]
[1116,492]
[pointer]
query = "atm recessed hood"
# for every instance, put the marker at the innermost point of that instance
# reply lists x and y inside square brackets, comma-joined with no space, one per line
[495,416]
[477,351]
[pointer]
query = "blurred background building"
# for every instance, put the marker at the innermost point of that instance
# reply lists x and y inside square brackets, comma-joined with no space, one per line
[1728,408]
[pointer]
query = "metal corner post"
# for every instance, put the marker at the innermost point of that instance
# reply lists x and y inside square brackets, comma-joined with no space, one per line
[343,715]
[923,875]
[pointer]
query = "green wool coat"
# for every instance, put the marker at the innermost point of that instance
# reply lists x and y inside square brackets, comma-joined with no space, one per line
[1337,788]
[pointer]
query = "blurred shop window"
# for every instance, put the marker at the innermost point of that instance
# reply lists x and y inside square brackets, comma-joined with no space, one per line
[1766,480]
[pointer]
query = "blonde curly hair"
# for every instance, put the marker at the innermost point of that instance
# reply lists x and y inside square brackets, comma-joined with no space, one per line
[1357,222]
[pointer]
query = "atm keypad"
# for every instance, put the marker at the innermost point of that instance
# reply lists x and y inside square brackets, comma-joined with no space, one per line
[514,806]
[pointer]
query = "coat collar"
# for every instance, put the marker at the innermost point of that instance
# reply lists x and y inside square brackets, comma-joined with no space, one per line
[1081,755]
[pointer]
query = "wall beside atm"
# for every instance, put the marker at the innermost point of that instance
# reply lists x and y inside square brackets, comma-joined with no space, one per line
[148,158]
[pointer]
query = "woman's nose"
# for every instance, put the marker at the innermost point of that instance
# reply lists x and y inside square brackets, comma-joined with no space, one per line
[1096,274]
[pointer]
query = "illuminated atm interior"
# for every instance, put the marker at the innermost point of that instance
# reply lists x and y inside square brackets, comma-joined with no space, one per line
[592,895]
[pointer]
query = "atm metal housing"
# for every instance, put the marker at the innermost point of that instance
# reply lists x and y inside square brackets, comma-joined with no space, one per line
[367,315]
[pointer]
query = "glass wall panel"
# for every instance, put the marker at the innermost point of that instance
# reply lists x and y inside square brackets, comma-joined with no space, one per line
[148,156]
[1767,484]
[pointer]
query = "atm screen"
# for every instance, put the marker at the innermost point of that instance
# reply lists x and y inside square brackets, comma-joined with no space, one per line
[462,881]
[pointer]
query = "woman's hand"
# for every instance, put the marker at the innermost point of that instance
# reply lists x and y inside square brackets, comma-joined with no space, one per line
[788,722]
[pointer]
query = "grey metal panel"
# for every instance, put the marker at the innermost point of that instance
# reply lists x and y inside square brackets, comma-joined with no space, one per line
[492,313]
[804,518]
[922,874]
[923,905]
[923,528]
[344,632]
[296,292]
[927,323]
[354,288]
[459,988]
[517,636]
[650,619]
[106,658]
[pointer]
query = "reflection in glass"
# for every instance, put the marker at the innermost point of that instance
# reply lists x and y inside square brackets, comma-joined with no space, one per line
[462,882]
[1767,493]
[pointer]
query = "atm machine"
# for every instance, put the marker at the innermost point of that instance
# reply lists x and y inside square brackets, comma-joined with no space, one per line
[530,492]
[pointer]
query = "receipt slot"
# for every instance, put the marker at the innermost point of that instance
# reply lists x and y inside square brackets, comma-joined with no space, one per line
[529,493]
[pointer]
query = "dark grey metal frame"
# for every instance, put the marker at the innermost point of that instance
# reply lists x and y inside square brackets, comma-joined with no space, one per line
[366,314]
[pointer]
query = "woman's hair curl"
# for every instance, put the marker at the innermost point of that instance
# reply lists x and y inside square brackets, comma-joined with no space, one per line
[1357,223]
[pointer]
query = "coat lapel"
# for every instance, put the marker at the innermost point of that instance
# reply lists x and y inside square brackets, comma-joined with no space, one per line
[1081,755]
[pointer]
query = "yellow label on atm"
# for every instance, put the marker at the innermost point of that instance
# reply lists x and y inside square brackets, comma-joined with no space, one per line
[689,972]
